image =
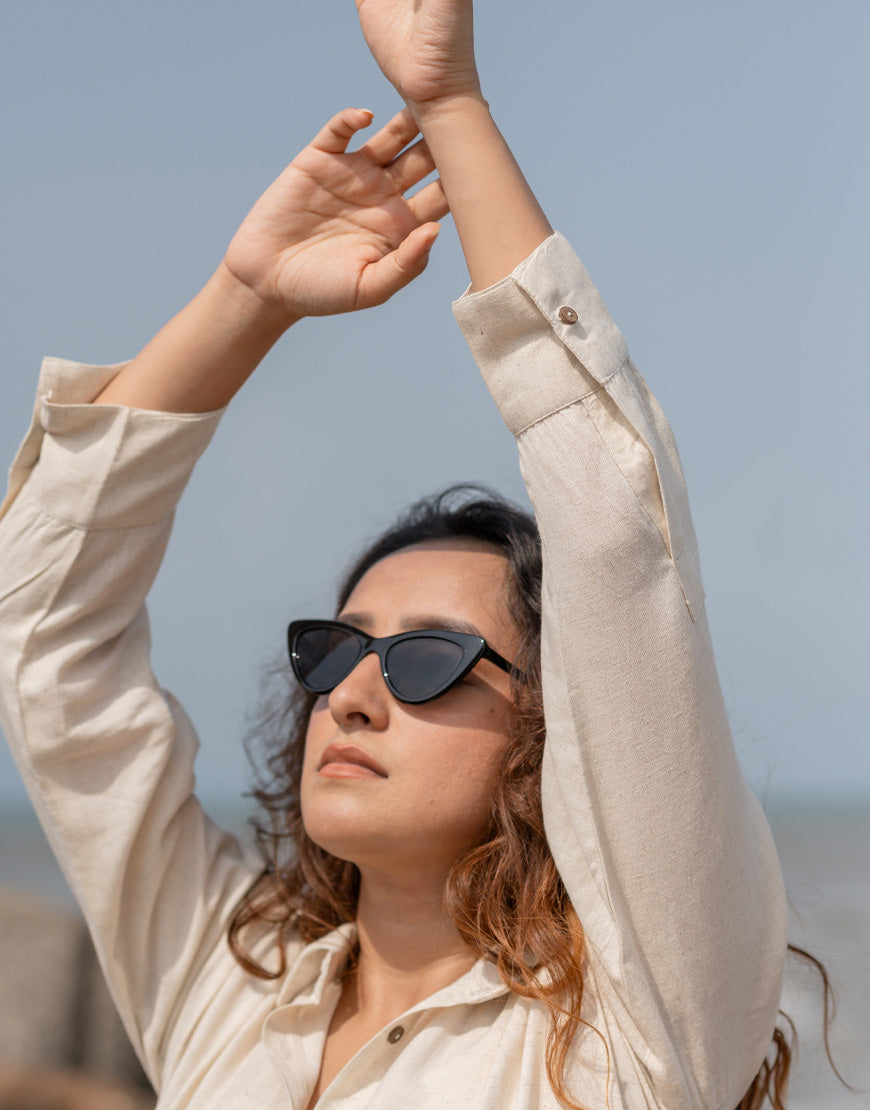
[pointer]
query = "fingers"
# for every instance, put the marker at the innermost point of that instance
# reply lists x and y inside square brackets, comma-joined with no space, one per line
[380,280]
[411,166]
[334,136]
[387,148]
[391,140]
[429,203]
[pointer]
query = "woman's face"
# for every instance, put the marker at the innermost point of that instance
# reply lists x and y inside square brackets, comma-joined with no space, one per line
[425,795]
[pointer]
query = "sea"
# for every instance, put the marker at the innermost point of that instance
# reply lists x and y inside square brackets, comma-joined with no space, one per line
[825,853]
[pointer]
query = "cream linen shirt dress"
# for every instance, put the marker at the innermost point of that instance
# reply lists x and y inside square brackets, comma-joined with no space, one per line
[663,849]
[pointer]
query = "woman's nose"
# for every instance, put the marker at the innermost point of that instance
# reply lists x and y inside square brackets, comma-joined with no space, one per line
[362,696]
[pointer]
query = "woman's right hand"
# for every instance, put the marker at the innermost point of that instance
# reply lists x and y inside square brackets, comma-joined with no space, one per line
[335,232]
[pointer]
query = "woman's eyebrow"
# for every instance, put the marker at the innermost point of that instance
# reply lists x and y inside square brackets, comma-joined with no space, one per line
[363,622]
[413,623]
[447,624]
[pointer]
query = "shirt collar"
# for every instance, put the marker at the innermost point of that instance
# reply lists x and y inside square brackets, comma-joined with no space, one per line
[317,965]
[320,964]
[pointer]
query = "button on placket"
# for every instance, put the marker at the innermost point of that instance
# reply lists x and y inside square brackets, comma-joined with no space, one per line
[568,315]
[396,1034]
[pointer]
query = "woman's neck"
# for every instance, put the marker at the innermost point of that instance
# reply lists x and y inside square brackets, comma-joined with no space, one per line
[408,946]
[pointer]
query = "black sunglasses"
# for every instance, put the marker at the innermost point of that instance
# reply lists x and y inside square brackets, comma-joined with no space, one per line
[417,666]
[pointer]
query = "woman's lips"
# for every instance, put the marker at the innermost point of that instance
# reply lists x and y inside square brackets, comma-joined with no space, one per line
[346,761]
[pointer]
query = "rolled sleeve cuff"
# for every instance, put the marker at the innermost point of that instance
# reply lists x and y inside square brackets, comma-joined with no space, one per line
[103,466]
[533,371]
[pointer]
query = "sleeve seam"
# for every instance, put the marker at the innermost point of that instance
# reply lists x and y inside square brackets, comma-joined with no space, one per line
[602,385]
[88,528]
[559,408]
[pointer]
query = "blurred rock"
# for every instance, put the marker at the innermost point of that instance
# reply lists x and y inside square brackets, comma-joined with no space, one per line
[21,1089]
[56,1012]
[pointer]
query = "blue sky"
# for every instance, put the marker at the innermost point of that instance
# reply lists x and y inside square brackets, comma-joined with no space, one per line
[710,164]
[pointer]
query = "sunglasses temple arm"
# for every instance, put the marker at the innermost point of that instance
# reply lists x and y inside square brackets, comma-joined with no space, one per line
[500,661]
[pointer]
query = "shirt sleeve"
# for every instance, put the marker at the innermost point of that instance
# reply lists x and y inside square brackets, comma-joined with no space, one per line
[664,851]
[105,753]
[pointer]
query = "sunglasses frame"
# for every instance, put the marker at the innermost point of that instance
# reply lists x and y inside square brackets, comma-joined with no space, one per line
[474,648]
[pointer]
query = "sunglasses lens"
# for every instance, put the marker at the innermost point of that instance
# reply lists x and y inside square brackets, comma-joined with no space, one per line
[422,667]
[324,656]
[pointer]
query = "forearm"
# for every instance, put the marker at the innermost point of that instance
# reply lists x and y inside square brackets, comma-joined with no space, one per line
[497,216]
[204,355]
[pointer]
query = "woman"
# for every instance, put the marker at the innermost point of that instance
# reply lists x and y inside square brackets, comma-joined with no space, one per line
[658,984]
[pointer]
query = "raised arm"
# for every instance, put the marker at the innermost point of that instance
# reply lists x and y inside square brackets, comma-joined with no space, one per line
[106,753]
[663,850]
[334,233]
[426,50]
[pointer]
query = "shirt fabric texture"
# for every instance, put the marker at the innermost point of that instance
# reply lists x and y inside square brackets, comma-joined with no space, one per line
[663,849]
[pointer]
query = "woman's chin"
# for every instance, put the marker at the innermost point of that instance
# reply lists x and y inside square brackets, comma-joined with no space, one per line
[346,831]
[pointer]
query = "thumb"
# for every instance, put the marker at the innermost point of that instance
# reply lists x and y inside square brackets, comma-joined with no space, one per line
[381,279]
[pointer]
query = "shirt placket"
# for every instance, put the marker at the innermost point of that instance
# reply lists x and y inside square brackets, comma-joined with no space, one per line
[294,1035]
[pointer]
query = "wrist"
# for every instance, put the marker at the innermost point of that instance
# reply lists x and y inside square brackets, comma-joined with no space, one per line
[449,110]
[248,309]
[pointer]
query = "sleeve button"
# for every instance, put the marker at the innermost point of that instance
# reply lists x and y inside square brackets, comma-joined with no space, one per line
[395,1034]
[567,315]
